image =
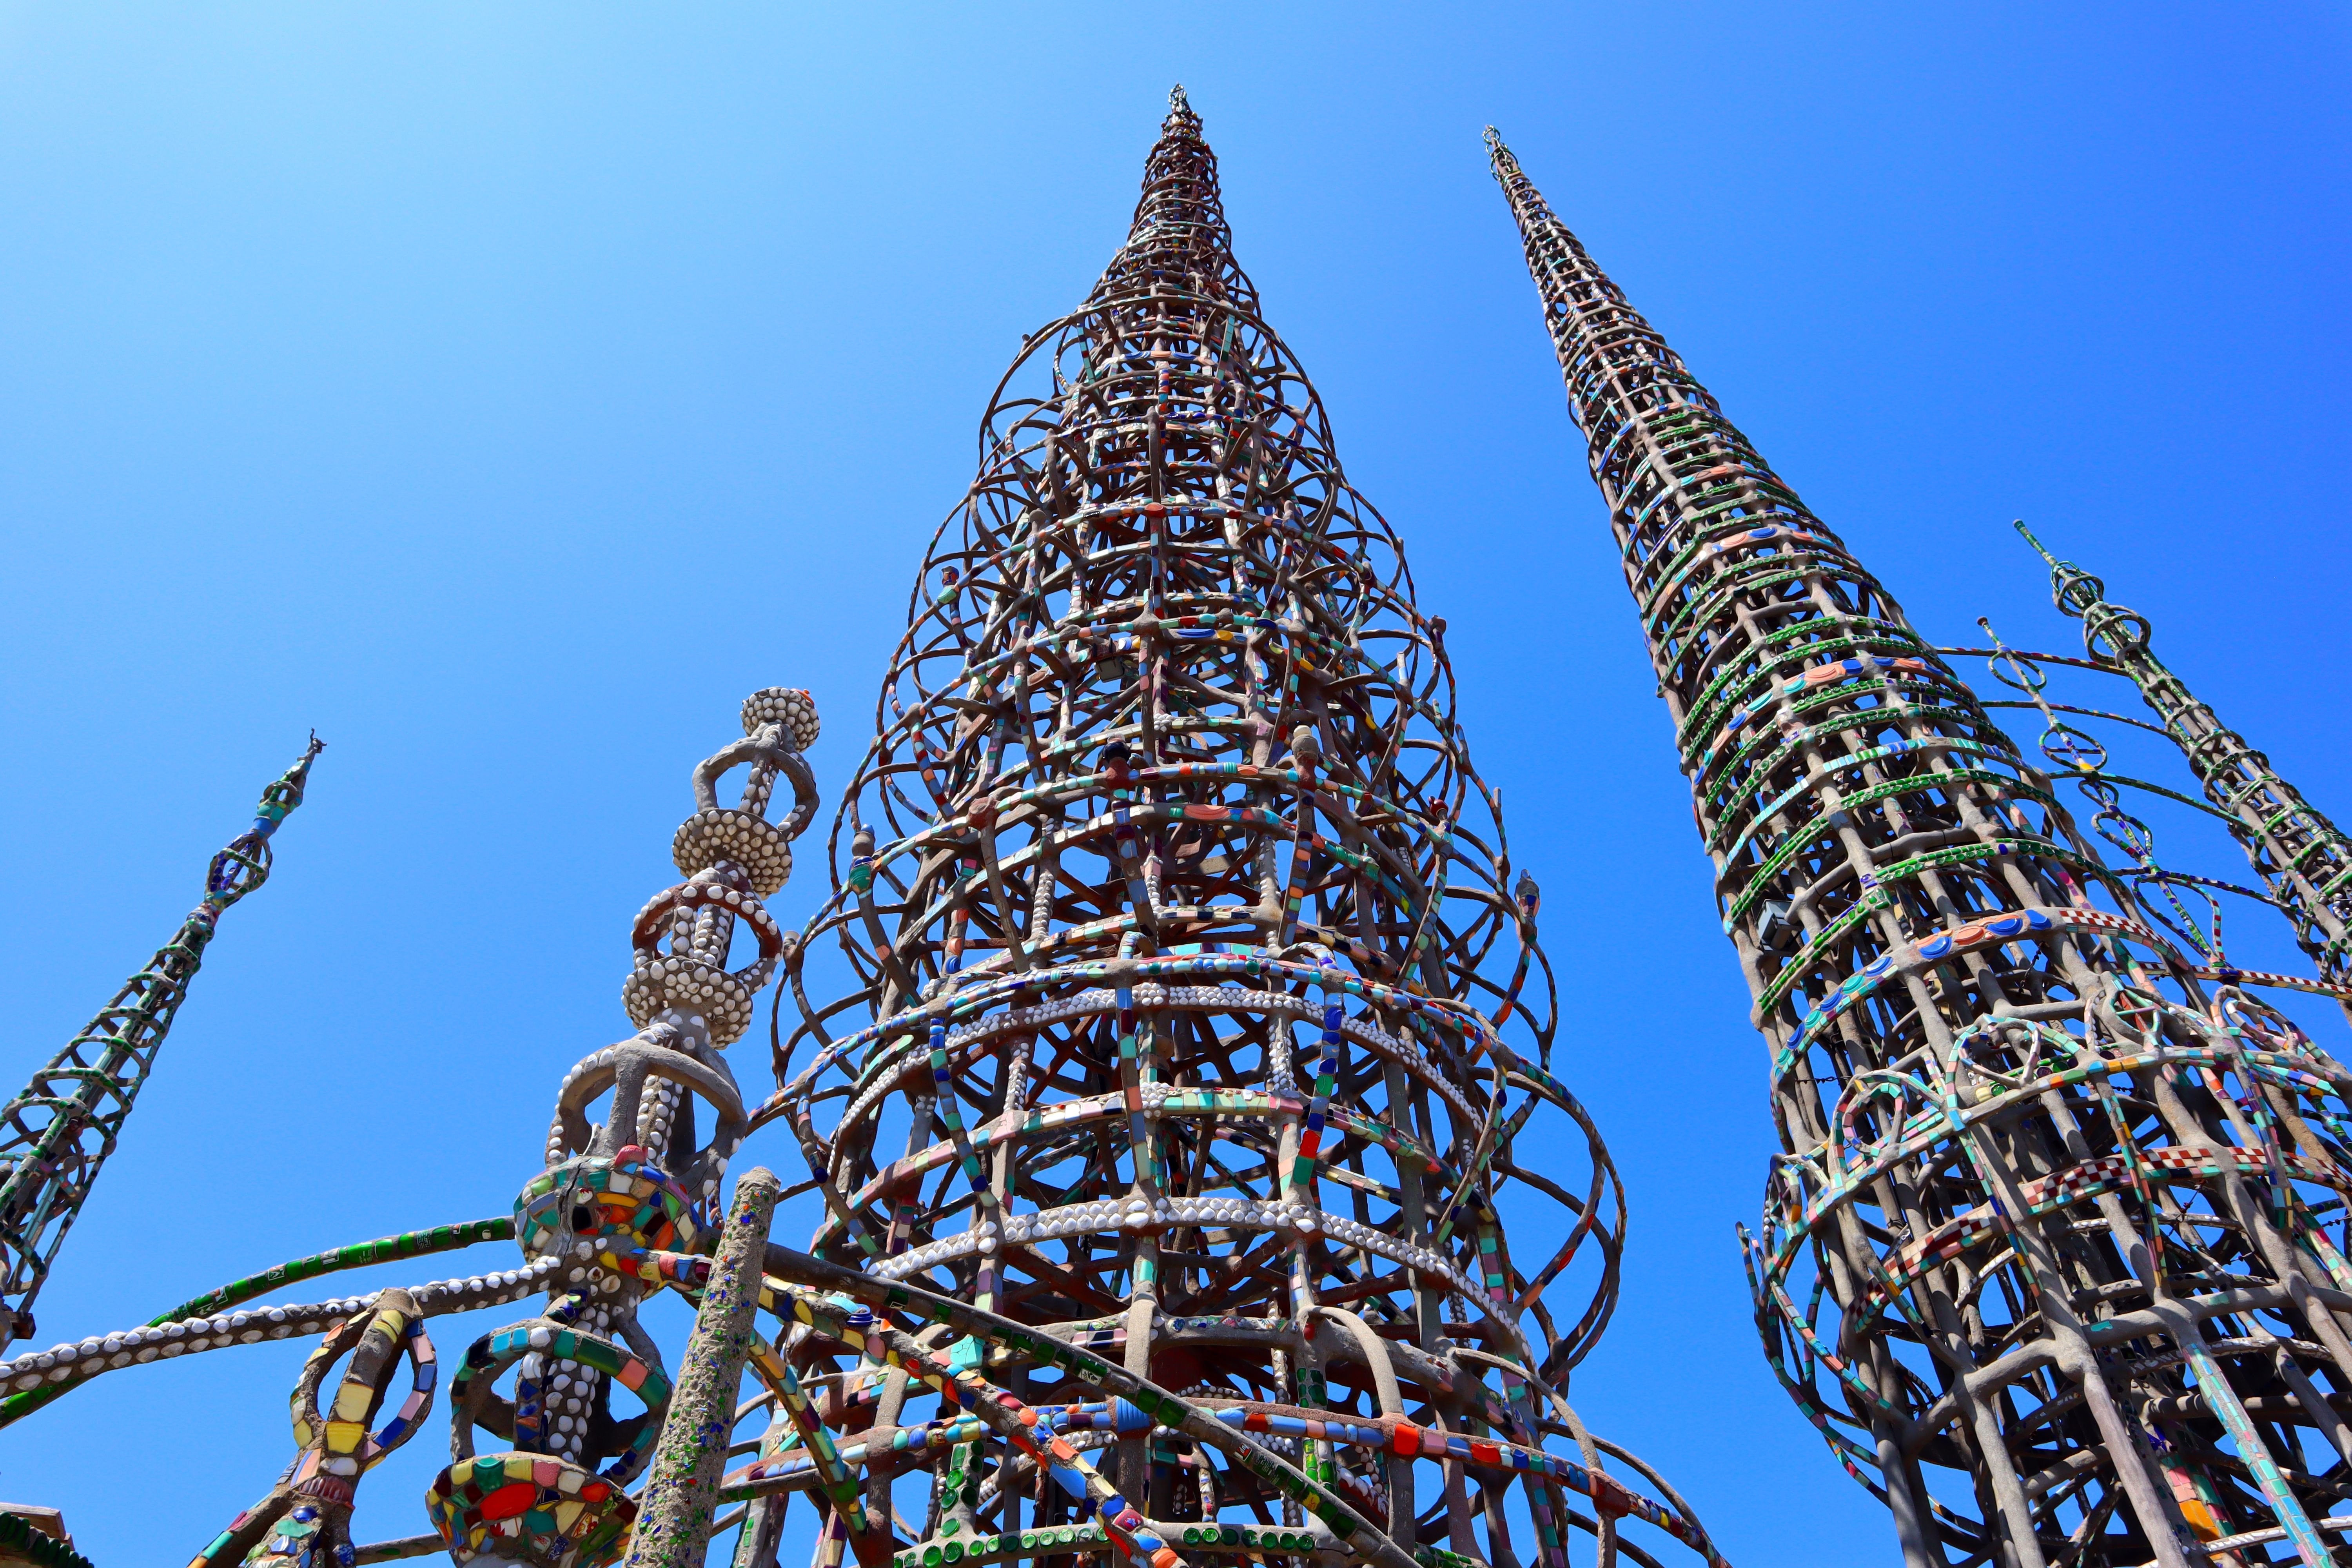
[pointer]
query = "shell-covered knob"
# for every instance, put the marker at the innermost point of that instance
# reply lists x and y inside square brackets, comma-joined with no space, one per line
[730,833]
[785,705]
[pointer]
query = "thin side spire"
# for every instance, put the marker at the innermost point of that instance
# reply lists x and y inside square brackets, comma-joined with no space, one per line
[56,1134]
[2020,1225]
[2303,858]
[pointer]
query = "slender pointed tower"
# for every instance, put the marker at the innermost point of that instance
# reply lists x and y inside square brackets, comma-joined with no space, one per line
[2046,1255]
[56,1134]
[2302,856]
[1200,1024]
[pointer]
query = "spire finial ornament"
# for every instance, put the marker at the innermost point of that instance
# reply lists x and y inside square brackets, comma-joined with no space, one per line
[1182,123]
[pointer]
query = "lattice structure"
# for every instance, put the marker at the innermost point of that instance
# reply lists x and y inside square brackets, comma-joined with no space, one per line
[1202,1022]
[2302,856]
[2045,1259]
[56,1134]
[1194,981]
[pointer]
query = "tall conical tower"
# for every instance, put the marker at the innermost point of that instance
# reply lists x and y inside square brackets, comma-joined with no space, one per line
[59,1130]
[2046,1254]
[1200,1023]
[2302,856]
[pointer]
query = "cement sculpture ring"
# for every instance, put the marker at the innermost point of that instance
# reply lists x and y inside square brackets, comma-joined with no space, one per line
[623,1068]
[619,1204]
[649,929]
[788,706]
[658,984]
[471,1392]
[715,833]
[349,1450]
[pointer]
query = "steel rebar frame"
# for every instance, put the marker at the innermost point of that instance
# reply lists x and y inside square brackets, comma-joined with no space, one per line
[2048,1222]
[56,1132]
[1198,1010]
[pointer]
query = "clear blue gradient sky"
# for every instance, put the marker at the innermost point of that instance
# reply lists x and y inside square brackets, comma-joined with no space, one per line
[507,390]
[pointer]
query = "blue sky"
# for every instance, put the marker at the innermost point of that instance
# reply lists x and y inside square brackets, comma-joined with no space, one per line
[506,391]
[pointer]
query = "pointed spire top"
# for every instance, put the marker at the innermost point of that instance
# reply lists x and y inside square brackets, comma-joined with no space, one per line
[1507,167]
[1526,202]
[2039,548]
[1181,118]
[2074,590]
[1180,203]
[244,864]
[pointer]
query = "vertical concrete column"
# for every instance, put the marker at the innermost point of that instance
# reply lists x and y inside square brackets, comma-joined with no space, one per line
[682,1488]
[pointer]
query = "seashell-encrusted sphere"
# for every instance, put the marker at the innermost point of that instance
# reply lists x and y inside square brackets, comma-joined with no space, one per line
[793,708]
[660,981]
[724,833]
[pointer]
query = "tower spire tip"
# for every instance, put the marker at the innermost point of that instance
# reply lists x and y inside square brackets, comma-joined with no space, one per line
[2040,549]
[1183,117]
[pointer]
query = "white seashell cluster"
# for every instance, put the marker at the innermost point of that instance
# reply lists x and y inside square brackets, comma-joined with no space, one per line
[793,708]
[725,833]
[162,1341]
[661,984]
